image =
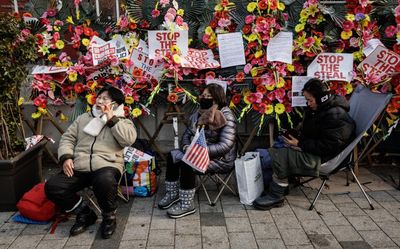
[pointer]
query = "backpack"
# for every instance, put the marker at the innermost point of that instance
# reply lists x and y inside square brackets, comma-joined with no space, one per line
[35,205]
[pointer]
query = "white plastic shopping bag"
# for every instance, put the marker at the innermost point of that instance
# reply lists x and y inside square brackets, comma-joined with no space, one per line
[249,177]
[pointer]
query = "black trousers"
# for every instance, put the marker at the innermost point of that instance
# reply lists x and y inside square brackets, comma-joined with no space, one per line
[187,176]
[62,190]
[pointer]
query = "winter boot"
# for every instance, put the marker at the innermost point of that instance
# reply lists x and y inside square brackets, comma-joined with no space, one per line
[171,195]
[275,198]
[108,224]
[84,218]
[185,206]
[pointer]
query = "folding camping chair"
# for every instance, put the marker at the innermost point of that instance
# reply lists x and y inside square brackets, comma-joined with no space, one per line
[365,107]
[221,180]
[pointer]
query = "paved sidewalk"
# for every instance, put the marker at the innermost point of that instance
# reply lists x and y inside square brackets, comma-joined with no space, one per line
[341,219]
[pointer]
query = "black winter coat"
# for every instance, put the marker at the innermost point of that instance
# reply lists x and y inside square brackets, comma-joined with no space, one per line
[221,143]
[328,130]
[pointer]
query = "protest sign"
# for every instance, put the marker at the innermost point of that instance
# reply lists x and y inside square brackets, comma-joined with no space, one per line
[280,47]
[48,69]
[371,45]
[381,62]
[152,68]
[161,42]
[298,98]
[102,50]
[231,50]
[131,154]
[199,59]
[331,66]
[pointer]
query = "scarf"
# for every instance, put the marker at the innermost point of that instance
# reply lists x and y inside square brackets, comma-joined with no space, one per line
[212,117]
[95,125]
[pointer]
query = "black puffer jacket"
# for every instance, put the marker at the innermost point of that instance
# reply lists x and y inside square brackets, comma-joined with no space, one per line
[327,131]
[221,143]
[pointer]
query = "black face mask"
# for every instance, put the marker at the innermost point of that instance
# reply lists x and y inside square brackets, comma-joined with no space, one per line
[206,103]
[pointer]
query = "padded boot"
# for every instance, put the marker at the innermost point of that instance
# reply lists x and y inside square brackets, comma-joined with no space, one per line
[84,218]
[108,224]
[185,206]
[171,195]
[274,198]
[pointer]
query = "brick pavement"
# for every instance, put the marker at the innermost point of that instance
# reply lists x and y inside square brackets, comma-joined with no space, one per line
[341,220]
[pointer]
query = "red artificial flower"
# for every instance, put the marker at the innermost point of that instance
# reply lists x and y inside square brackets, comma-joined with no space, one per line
[179,90]
[262,5]
[240,77]
[137,72]
[172,97]
[257,81]
[87,31]
[236,98]
[79,88]
[396,102]
[40,101]
[255,107]
[246,29]
[396,48]
[126,111]
[132,25]
[145,24]
[213,23]
[261,89]
[347,25]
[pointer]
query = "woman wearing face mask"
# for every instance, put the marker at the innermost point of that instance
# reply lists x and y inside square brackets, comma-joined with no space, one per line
[220,132]
[91,154]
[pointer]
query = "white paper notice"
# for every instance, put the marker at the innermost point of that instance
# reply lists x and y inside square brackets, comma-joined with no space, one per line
[231,49]
[48,69]
[331,66]
[298,98]
[371,45]
[161,42]
[280,47]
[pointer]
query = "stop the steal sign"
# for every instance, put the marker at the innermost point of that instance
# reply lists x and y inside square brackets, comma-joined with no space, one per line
[382,62]
[331,66]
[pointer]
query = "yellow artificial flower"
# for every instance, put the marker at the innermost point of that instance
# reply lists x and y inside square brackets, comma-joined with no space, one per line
[299,27]
[90,99]
[349,88]
[317,41]
[218,7]
[85,42]
[345,35]
[53,86]
[129,100]
[63,118]
[312,10]
[42,110]
[51,57]
[350,17]
[279,108]
[58,64]
[93,85]
[258,54]
[366,21]
[209,30]
[59,44]
[190,41]
[254,71]
[176,58]
[269,109]
[280,83]
[175,49]
[70,20]
[303,14]
[281,6]
[73,76]
[398,35]
[358,55]
[20,101]
[180,12]
[290,67]
[270,87]
[251,7]
[56,28]
[320,19]
[44,50]
[36,115]
[136,112]
[66,64]
[253,37]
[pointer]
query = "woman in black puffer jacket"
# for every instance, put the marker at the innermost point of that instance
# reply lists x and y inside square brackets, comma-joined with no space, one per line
[220,133]
[326,130]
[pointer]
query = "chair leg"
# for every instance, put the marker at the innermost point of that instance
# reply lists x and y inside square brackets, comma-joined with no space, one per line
[92,202]
[120,194]
[224,182]
[362,189]
[316,197]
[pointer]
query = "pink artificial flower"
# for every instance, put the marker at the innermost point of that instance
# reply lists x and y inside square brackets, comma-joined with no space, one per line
[372,78]
[259,97]
[179,20]
[155,13]
[224,22]
[51,12]
[397,10]
[390,31]
[114,60]
[354,42]
[206,39]
[79,68]
[271,96]
[363,3]
[348,25]
[172,11]
[164,2]
[285,16]
[249,19]
[56,36]
[77,2]
[58,23]
[49,27]
[366,36]
[169,17]
[247,68]
[280,94]
[123,22]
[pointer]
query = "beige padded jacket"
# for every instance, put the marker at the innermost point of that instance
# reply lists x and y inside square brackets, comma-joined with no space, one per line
[104,150]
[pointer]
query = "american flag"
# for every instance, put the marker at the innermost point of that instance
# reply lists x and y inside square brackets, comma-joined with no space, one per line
[196,155]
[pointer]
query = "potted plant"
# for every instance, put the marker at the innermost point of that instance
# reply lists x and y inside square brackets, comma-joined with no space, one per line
[18,168]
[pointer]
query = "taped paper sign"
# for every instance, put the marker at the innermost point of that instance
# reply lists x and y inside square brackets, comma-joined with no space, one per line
[371,45]
[199,59]
[48,70]
[152,68]
[382,62]
[102,50]
[331,66]
[298,98]
[161,42]
[131,154]
[280,47]
[231,49]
